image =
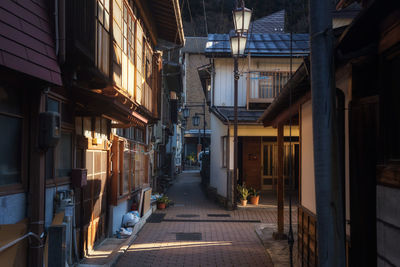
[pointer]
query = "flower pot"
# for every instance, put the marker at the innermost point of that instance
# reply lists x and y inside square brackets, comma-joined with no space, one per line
[160,206]
[243,202]
[254,200]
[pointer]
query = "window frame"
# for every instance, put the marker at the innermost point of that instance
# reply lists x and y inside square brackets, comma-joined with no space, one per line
[22,185]
[65,128]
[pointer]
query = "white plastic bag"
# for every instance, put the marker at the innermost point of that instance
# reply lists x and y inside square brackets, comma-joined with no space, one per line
[130,219]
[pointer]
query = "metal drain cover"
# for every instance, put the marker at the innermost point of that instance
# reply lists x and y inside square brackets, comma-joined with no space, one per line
[187,215]
[188,236]
[156,218]
[218,215]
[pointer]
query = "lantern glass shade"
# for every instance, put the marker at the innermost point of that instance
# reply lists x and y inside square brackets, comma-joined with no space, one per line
[196,120]
[238,45]
[241,19]
[186,112]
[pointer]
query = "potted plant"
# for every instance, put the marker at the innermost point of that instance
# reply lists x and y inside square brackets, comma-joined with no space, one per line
[244,193]
[162,202]
[254,196]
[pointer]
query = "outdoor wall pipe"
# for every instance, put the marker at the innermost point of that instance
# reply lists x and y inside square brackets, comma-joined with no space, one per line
[330,227]
[62,32]
[340,106]
[56,25]
[12,243]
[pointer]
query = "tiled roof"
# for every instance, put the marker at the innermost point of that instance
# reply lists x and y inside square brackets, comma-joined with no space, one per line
[26,39]
[194,45]
[274,23]
[260,45]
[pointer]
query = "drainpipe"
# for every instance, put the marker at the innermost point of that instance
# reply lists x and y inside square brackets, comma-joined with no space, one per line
[330,226]
[340,106]
[61,51]
[56,25]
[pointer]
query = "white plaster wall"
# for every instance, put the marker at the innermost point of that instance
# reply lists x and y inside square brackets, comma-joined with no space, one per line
[224,93]
[12,208]
[307,159]
[217,173]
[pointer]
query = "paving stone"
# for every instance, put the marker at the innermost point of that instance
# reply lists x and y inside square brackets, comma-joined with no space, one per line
[223,243]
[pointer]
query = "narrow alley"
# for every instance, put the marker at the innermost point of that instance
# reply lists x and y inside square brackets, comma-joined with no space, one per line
[197,232]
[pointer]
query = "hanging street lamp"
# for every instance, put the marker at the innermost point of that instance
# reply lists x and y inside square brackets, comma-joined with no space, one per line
[241,19]
[186,112]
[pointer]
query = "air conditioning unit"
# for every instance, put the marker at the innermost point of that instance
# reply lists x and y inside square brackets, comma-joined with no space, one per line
[64,201]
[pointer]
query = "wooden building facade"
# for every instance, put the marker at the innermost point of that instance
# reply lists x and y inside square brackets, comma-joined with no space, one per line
[366,71]
[97,66]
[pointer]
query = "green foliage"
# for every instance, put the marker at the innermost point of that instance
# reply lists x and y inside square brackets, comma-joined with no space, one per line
[164,199]
[253,192]
[191,157]
[243,191]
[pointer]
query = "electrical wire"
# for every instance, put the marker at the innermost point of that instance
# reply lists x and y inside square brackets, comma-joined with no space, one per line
[205,18]
[290,234]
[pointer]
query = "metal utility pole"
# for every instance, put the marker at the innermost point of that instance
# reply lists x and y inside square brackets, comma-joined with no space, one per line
[330,221]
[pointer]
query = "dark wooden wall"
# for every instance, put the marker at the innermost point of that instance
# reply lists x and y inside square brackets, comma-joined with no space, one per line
[307,238]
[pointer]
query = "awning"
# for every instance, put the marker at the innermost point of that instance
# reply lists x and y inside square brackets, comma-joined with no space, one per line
[116,106]
[205,76]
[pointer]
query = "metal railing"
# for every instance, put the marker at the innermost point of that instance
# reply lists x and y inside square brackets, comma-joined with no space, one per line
[12,243]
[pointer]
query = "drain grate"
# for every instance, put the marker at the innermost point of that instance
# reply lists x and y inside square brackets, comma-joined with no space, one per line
[187,215]
[188,236]
[211,220]
[156,218]
[218,215]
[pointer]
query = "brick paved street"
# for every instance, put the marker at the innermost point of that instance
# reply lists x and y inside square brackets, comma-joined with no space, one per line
[222,243]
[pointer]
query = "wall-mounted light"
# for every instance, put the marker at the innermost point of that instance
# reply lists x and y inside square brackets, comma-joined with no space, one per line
[186,112]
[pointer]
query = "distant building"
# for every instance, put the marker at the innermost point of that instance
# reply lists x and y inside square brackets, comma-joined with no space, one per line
[195,98]
[263,73]
[274,23]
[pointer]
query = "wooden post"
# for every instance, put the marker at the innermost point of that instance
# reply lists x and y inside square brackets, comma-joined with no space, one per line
[280,192]
[36,182]
[328,187]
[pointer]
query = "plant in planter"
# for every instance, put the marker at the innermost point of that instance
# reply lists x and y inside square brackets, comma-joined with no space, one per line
[254,196]
[162,202]
[244,193]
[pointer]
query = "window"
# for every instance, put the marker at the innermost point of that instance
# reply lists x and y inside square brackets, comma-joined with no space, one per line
[224,143]
[58,160]
[102,34]
[64,155]
[11,123]
[271,83]
[128,33]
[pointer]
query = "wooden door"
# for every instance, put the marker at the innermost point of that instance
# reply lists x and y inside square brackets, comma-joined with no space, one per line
[363,149]
[251,162]
[268,165]
[95,198]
